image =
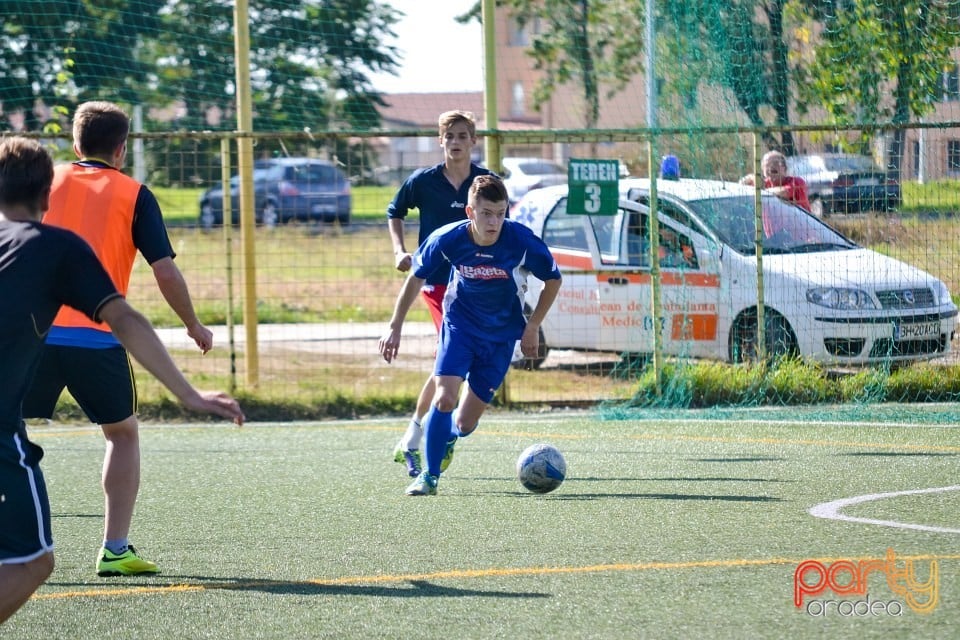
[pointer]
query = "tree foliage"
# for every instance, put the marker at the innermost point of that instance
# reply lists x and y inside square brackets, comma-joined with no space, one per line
[739,44]
[61,52]
[591,44]
[310,61]
[879,61]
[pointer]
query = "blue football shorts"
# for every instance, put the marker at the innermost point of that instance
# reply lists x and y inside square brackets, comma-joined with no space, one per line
[482,363]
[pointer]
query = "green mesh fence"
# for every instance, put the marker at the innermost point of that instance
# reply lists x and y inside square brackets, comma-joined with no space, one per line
[858,299]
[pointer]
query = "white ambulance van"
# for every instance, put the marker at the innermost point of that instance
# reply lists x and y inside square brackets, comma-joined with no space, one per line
[825,297]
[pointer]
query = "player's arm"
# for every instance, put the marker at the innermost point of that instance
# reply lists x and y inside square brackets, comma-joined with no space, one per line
[390,343]
[530,341]
[138,337]
[173,286]
[401,257]
[151,239]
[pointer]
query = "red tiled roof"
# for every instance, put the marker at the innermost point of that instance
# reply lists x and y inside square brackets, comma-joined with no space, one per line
[420,110]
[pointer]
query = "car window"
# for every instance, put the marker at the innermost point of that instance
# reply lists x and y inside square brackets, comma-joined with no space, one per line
[850,164]
[786,227]
[605,229]
[730,219]
[674,211]
[314,173]
[257,175]
[562,230]
[675,249]
[272,173]
[638,245]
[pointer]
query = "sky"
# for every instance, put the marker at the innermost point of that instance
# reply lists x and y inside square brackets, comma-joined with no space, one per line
[439,54]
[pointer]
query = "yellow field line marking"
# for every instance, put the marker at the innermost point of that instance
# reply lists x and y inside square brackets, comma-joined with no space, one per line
[463,574]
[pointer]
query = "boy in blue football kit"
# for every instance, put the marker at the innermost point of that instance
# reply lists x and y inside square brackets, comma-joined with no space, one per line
[440,194]
[490,257]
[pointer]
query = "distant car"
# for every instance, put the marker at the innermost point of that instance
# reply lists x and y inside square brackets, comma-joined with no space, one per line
[521,175]
[825,297]
[285,189]
[844,183]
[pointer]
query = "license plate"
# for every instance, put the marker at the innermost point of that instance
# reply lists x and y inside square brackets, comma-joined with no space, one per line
[868,182]
[324,208]
[914,331]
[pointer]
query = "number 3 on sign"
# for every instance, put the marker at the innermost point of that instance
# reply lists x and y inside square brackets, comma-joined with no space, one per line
[592,200]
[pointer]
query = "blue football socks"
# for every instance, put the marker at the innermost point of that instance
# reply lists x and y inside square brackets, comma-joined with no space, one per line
[438,429]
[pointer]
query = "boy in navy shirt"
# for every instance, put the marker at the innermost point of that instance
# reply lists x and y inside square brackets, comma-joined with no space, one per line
[490,258]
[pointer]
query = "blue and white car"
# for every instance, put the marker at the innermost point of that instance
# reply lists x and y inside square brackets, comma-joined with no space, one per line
[824,297]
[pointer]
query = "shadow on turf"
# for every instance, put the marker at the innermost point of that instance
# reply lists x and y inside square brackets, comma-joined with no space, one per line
[638,496]
[406,589]
[898,454]
[749,459]
[666,496]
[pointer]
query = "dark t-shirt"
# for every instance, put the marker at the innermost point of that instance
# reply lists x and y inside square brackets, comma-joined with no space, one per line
[41,268]
[439,203]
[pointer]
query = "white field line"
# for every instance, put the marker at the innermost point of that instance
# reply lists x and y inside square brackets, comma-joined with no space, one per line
[832,510]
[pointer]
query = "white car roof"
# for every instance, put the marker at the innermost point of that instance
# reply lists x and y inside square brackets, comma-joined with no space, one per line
[533,208]
[689,189]
[683,189]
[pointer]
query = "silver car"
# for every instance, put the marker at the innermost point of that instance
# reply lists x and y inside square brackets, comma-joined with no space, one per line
[521,175]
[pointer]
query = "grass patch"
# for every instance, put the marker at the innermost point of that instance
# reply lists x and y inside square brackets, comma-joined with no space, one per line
[937,196]
[681,528]
[181,206]
[792,381]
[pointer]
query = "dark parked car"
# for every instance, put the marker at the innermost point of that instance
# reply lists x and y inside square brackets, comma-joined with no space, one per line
[844,183]
[285,189]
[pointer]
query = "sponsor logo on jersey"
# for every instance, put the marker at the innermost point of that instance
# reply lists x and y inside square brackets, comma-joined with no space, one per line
[483,272]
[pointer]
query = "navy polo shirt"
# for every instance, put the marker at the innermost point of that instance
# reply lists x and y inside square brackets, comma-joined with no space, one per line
[439,203]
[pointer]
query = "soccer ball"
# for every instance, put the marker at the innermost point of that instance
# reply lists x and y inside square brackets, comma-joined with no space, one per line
[541,468]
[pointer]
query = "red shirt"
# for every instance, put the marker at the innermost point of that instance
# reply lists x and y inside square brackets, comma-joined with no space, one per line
[794,190]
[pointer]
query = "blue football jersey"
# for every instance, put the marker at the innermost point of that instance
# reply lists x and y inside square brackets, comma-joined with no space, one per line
[487,284]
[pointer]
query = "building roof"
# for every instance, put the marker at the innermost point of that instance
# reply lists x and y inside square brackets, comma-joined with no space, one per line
[420,110]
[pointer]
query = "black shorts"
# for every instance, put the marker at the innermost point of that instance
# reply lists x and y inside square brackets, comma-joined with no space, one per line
[100,380]
[25,509]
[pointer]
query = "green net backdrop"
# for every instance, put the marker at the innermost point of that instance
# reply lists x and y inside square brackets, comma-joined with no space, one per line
[731,80]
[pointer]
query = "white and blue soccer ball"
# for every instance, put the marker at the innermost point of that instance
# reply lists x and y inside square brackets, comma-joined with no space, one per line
[541,468]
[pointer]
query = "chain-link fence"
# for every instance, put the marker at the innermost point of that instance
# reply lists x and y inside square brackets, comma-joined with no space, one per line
[691,291]
[324,284]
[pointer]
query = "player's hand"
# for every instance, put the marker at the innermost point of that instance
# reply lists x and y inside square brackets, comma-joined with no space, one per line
[202,336]
[404,261]
[530,341]
[217,403]
[389,345]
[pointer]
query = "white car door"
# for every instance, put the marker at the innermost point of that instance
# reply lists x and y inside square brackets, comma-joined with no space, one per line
[574,321]
[689,291]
